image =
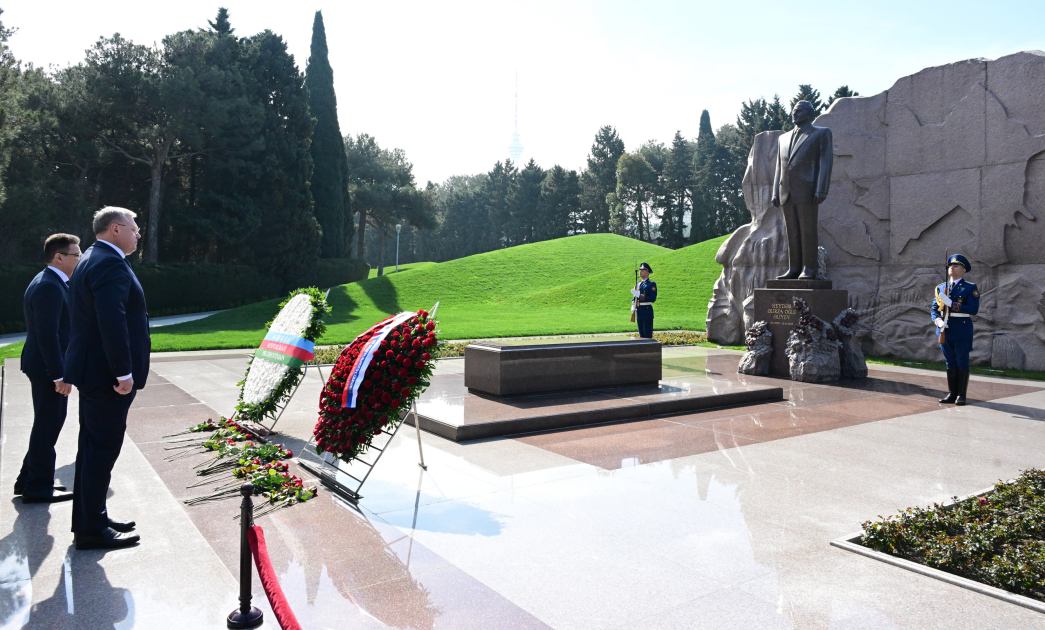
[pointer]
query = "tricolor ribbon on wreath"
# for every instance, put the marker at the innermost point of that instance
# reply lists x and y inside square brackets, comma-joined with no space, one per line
[358,370]
[287,349]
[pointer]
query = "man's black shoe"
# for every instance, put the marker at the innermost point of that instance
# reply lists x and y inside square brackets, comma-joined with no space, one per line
[108,539]
[122,527]
[55,497]
[19,488]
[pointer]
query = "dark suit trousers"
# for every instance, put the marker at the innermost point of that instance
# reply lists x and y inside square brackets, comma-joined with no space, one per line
[801,223]
[49,409]
[103,423]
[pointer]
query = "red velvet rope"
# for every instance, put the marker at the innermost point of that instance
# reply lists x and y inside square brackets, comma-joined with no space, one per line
[284,615]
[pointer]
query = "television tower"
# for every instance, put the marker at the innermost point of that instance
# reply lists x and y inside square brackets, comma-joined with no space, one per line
[515,148]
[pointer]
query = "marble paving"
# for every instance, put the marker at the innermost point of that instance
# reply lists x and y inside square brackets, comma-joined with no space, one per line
[717,519]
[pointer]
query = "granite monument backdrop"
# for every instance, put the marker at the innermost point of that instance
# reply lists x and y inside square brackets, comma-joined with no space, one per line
[948,160]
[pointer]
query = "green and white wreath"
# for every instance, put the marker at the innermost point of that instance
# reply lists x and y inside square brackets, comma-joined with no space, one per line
[268,383]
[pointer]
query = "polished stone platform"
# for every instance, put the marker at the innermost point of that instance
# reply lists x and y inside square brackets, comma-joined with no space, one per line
[508,367]
[456,412]
[718,519]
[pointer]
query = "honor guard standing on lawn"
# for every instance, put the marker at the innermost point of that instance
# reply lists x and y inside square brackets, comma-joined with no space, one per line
[954,304]
[644,295]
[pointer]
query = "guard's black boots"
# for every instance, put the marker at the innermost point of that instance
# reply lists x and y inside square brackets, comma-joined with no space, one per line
[952,387]
[963,386]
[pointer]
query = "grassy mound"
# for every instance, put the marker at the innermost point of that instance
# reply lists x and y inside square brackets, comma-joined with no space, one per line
[571,285]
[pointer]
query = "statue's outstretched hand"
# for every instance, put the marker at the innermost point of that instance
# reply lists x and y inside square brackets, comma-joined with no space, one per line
[819,198]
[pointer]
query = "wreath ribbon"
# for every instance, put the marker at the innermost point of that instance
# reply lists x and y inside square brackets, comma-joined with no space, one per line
[287,349]
[358,369]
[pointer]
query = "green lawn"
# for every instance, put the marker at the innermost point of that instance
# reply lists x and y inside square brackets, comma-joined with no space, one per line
[571,285]
[11,351]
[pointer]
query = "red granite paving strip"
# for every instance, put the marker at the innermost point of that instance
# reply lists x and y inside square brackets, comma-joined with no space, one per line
[324,537]
[808,408]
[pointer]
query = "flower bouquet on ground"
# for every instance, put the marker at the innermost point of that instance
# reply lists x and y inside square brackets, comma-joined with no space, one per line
[236,457]
[213,436]
[374,381]
[272,481]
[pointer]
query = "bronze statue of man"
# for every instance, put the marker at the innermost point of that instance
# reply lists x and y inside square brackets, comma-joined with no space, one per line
[803,174]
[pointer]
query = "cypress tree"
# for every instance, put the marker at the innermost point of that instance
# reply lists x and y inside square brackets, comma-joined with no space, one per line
[330,174]
[704,211]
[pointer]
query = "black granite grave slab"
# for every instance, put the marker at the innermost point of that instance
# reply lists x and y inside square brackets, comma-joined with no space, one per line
[507,368]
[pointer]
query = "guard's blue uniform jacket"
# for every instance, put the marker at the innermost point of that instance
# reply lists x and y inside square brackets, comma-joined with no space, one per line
[647,293]
[644,312]
[957,337]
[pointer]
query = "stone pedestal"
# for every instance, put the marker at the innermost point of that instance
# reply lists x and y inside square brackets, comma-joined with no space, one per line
[774,305]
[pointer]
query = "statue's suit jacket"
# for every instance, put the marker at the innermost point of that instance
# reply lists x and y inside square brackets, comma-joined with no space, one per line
[804,170]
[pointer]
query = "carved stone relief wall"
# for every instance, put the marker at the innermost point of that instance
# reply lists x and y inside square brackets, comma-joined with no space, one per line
[948,160]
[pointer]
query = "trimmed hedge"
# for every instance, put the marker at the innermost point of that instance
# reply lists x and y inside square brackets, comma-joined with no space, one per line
[174,288]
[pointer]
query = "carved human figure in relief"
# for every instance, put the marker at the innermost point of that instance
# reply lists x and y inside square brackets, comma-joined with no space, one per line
[803,175]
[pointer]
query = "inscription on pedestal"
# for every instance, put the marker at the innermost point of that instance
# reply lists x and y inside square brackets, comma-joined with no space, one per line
[776,308]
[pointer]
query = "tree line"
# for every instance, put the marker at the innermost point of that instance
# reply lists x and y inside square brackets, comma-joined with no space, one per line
[231,154]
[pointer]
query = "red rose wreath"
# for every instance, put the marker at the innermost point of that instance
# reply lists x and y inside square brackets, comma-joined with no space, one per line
[400,370]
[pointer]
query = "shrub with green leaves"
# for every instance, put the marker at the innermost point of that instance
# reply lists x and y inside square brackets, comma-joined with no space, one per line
[997,539]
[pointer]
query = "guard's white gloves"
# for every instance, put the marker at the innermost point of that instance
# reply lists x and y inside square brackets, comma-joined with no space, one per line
[939,322]
[946,300]
[635,293]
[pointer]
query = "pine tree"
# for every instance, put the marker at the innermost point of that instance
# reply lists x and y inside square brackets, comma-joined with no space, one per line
[528,199]
[560,201]
[600,179]
[678,181]
[807,93]
[704,207]
[221,24]
[841,92]
[330,174]
[780,114]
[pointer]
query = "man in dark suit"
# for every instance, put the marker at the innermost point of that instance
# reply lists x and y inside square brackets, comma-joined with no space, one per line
[46,311]
[108,361]
[803,174]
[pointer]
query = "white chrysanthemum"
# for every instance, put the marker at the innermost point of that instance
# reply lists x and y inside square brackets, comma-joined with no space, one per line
[264,375]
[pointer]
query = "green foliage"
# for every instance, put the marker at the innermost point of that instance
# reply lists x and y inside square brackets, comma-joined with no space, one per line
[330,177]
[997,539]
[678,180]
[331,272]
[565,286]
[807,93]
[600,179]
[384,194]
[841,92]
[558,204]
[14,279]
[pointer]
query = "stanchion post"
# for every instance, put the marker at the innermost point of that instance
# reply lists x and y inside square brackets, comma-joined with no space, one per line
[246,616]
[417,425]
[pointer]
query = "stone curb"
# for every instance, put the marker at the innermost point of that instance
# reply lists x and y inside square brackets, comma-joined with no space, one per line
[851,543]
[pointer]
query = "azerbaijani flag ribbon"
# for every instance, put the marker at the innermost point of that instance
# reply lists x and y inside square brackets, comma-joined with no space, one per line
[287,349]
[358,369]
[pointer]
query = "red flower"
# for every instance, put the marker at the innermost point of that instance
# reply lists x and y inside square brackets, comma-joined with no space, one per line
[394,404]
[378,408]
[395,344]
[384,364]
[405,392]
[416,343]
[426,356]
[403,372]
[407,362]
[412,380]
[386,398]
[420,365]
[388,354]
[370,415]
[367,384]
[429,325]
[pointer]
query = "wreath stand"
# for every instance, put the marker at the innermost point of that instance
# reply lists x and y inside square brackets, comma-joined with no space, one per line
[259,430]
[333,472]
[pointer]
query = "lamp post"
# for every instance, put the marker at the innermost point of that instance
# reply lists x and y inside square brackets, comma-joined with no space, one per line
[399,228]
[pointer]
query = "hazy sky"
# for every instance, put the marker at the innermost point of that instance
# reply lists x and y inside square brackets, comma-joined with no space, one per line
[437,78]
